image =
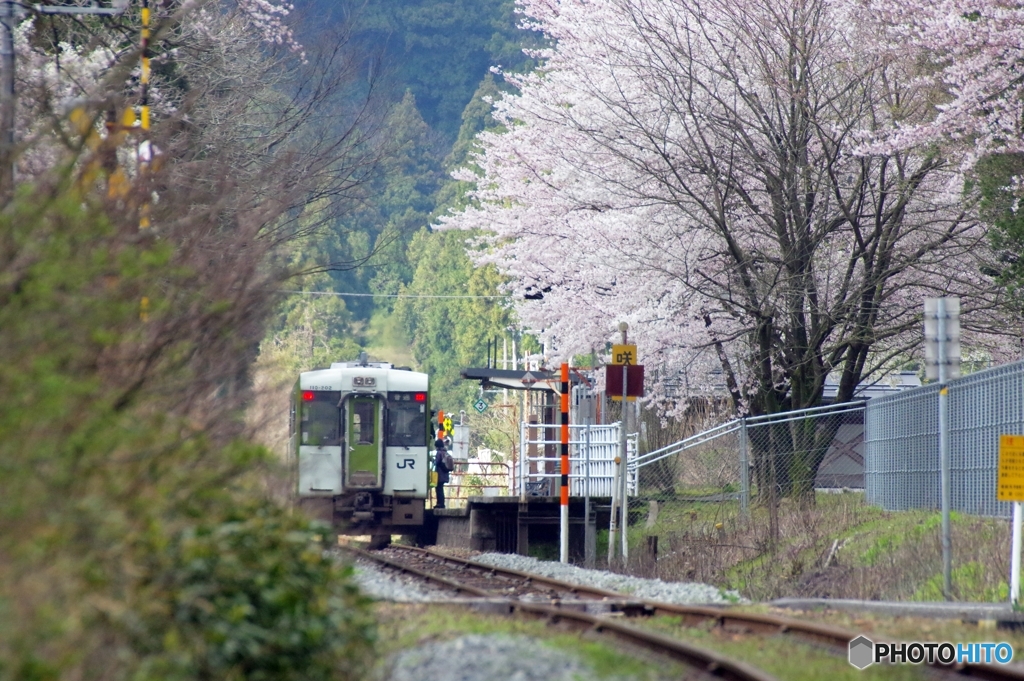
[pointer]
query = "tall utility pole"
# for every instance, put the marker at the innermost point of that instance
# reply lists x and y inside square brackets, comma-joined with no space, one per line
[10,14]
[942,362]
[7,20]
[619,507]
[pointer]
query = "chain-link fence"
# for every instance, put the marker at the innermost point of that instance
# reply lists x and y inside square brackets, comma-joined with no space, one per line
[901,467]
[743,503]
[752,462]
[902,448]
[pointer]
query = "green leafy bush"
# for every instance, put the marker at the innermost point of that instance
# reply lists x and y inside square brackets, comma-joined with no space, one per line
[254,597]
[139,540]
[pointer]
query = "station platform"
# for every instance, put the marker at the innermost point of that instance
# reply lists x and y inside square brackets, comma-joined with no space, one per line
[507,524]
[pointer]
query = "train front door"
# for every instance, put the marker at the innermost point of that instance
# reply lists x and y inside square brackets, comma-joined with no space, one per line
[363,437]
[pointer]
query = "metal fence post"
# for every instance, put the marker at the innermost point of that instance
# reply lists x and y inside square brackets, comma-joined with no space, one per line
[1015,555]
[944,481]
[589,534]
[612,517]
[522,460]
[744,470]
[624,472]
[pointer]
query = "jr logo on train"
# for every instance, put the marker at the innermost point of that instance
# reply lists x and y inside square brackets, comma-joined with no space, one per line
[359,434]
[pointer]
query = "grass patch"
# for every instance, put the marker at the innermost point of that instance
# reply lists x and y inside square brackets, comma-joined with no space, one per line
[839,547]
[872,543]
[971,580]
[785,658]
[907,628]
[404,626]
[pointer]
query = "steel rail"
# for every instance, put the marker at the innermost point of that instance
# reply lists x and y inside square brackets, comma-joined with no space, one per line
[429,576]
[758,623]
[574,589]
[705,660]
[762,624]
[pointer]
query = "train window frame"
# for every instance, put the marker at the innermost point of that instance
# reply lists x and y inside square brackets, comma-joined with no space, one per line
[415,429]
[364,415]
[327,412]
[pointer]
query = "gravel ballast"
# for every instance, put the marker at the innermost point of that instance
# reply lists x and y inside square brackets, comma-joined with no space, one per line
[388,586]
[384,585]
[680,593]
[476,657]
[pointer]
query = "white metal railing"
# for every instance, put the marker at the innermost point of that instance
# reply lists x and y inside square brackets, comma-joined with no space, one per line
[592,453]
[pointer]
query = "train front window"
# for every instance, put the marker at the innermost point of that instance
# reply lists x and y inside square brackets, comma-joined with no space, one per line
[321,418]
[362,421]
[407,420]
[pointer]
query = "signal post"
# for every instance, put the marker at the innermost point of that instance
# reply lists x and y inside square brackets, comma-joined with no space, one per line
[624,381]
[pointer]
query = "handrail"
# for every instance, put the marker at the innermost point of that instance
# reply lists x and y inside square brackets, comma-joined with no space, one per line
[736,424]
[856,405]
[801,414]
[688,442]
[502,479]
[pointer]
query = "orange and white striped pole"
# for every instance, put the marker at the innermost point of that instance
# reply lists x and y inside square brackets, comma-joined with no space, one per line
[145,149]
[145,155]
[564,468]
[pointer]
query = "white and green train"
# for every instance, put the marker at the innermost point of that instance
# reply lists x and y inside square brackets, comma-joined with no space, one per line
[360,437]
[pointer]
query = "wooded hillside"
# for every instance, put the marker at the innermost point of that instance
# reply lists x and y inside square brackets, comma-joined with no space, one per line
[434,58]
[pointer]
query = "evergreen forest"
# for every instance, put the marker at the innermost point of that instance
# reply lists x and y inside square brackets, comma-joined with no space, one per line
[383,260]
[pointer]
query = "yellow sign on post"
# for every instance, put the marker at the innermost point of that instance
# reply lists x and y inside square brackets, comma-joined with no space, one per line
[1010,484]
[624,354]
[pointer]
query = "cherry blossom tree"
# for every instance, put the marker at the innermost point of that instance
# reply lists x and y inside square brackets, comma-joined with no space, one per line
[692,168]
[974,57]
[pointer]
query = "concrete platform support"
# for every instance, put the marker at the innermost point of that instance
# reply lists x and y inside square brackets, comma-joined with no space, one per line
[523,530]
[504,524]
[482,535]
[452,527]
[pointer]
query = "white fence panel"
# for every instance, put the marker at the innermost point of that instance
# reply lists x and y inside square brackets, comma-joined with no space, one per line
[539,474]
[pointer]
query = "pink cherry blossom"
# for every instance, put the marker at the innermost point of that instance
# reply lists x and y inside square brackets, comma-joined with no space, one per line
[694,169]
[973,54]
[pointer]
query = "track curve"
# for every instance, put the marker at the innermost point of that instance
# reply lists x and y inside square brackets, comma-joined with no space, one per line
[696,657]
[467,576]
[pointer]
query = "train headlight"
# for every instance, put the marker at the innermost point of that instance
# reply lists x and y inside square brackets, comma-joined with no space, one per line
[358,380]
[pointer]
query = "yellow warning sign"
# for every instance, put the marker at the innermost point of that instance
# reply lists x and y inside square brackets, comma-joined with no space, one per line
[624,354]
[1010,484]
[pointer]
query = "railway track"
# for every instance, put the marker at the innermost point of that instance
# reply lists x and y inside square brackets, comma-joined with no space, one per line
[555,612]
[588,607]
[477,579]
